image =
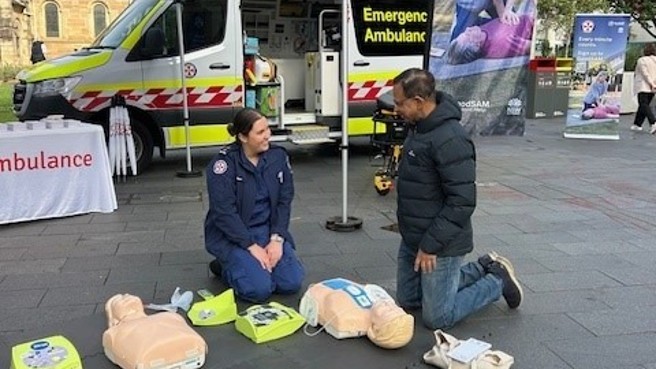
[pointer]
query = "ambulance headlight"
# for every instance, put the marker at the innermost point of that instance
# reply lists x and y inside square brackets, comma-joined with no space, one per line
[56,86]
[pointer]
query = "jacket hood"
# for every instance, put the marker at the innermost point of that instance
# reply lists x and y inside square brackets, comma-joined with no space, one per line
[447,109]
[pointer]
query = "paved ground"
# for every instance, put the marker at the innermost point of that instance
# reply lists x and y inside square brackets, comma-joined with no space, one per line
[576,217]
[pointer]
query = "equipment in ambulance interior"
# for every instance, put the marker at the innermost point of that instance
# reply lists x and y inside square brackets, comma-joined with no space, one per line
[390,142]
[347,309]
[136,340]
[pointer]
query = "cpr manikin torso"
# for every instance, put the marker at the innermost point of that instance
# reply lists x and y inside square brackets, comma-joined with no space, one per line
[137,340]
[347,309]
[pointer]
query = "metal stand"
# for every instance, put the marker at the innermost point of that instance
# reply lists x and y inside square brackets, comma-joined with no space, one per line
[189,173]
[344,223]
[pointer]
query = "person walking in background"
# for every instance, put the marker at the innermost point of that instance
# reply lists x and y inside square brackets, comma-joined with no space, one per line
[251,188]
[38,52]
[436,197]
[644,86]
[596,92]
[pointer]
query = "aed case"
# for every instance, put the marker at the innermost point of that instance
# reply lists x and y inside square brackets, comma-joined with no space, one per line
[263,323]
[54,352]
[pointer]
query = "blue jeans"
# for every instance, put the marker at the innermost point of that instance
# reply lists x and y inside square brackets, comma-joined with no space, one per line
[449,293]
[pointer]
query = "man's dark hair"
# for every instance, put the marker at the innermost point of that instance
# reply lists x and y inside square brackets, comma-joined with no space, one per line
[650,49]
[416,82]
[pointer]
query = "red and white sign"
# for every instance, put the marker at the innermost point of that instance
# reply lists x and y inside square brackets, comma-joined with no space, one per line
[48,173]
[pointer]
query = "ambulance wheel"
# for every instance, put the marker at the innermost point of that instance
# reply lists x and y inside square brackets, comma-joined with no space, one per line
[143,145]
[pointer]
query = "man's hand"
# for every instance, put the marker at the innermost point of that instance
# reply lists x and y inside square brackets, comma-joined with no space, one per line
[260,255]
[425,262]
[274,251]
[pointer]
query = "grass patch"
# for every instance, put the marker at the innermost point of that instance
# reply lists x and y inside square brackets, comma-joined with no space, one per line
[6,103]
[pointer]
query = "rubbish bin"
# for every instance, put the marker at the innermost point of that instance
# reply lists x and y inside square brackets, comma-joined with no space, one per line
[541,86]
[564,69]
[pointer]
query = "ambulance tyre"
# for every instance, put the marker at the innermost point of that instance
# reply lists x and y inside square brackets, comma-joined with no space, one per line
[143,145]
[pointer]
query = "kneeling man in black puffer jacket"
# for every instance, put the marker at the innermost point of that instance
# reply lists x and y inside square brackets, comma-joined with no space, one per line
[436,199]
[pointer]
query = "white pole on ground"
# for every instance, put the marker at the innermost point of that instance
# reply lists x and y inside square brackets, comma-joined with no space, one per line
[344,223]
[183,82]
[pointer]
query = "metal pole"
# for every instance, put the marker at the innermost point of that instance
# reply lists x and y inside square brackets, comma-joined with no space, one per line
[344,223]
[183,82]
[344,78]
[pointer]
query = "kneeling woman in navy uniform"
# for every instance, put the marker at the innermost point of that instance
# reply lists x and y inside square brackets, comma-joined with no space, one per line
[250,189]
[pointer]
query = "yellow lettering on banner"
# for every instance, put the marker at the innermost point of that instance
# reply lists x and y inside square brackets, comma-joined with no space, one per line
[400,17]
[389,36]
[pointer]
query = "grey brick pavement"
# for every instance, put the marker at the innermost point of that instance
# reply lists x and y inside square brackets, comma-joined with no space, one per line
[576,217]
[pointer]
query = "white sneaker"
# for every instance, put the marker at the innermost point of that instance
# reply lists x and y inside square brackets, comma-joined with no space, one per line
[653,129]
[636,128]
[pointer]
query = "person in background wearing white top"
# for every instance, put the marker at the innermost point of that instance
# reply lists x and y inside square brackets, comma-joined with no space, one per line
[644,85]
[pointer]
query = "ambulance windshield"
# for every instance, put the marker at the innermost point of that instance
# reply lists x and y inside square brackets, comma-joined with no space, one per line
[113,36]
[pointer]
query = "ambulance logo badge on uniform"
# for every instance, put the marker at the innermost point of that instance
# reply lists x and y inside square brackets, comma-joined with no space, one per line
[220,167]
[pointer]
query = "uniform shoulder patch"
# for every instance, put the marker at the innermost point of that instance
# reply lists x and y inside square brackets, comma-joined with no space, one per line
[220,166]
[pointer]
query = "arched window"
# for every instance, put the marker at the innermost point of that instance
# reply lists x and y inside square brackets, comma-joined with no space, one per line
[99,18]
[52,19]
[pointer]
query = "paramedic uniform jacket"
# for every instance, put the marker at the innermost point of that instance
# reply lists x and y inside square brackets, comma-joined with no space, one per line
[232,189]
[436,183]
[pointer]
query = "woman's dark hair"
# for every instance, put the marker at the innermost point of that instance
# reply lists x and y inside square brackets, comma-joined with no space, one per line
[650,49]
[243,122]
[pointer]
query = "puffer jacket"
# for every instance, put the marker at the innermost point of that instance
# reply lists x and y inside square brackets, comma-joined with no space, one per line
[436,183]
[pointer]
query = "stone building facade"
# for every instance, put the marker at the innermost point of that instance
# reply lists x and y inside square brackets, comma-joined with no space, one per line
[63,25]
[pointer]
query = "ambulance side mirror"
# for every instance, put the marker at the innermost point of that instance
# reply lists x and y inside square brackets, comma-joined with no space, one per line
[154,43]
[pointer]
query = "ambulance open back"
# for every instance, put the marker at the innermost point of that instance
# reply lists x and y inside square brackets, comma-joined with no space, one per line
[280,56]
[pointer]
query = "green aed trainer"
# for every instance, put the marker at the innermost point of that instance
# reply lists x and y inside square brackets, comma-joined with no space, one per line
[215,310]
[268,322]
[54,352]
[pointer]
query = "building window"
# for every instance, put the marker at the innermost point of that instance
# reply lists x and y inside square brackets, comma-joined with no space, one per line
[52,20]
[99,19]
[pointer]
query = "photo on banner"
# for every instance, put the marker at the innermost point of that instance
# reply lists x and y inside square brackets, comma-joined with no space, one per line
[479,53]
[599,49]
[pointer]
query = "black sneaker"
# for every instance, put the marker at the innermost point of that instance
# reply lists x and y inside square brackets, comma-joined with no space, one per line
[486,260]
[512,290]
[215,268]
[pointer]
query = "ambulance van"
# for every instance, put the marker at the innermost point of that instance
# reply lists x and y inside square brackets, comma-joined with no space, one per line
[294,76]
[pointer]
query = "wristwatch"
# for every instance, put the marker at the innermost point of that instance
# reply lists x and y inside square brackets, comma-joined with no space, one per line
[277,238]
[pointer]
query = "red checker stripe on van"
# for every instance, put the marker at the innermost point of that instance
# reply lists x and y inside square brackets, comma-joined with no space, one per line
[161,98]
[369,90]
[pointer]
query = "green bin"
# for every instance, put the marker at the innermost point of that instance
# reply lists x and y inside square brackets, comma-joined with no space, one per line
[541,86]
[564,69]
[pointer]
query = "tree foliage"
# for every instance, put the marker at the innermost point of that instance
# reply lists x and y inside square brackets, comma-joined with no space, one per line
[559,15]
[643,11]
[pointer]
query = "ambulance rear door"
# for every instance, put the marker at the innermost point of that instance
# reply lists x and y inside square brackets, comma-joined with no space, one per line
[385,37]
[213,65]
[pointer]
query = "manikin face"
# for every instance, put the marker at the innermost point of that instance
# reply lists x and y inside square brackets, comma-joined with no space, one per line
[257,140]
